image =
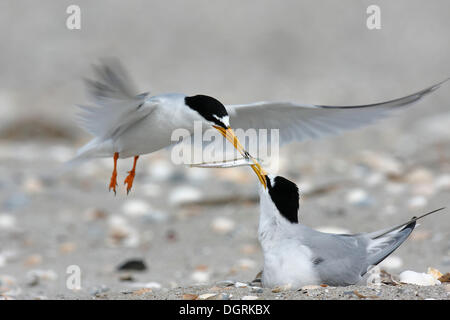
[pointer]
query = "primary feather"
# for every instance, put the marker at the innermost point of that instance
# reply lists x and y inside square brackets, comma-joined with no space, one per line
[116,104]
[303,121]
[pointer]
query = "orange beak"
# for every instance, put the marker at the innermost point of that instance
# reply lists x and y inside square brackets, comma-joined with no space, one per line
[230,136]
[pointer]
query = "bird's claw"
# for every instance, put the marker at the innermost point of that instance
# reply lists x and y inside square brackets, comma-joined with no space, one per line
[113,183]
[129,180]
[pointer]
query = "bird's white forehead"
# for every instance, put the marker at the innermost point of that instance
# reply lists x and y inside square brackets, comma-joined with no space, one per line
[225,119]
[272,179]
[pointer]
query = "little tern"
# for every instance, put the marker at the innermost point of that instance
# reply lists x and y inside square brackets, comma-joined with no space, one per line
[125,124]
[296,255]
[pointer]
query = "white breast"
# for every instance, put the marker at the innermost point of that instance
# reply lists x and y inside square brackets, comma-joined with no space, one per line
[287,262]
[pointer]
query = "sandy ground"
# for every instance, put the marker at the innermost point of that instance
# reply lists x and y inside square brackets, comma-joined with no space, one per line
[194,228]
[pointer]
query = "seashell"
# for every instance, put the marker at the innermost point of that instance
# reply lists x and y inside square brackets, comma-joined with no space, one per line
[421,279]
[206,296]
[434,272]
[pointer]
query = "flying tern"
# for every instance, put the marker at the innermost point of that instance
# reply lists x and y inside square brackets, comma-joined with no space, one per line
[125,124]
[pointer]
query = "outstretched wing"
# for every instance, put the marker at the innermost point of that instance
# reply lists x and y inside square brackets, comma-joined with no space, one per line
[116,105]
[297,122]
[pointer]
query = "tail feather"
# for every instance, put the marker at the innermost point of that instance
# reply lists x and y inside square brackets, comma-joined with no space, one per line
[93,149]
[383,243]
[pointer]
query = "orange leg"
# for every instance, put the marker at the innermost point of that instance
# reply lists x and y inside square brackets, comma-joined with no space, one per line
[129,179]
[113,183]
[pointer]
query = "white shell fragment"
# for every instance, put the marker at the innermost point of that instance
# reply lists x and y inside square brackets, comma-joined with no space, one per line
[184,194]
[200,276]
[417,202]
[206,296]
[136,208]
[7,221]
[223,225]
[240,285]
[160,170]
[148,285]
[443,182]
[249,298]
[358,197]
[421,279]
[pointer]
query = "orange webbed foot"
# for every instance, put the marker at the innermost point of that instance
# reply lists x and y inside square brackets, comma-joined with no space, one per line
[130,178]
[113,182]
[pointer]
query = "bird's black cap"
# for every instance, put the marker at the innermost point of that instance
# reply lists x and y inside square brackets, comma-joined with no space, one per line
[209,108]
[285,196]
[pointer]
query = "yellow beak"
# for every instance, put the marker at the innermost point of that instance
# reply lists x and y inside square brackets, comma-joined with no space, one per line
[230,136]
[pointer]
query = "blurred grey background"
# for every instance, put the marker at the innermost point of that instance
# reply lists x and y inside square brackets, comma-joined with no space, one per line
[237,51]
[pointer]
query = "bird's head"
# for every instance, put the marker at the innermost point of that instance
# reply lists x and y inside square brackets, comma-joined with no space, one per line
[214,113]
[211,110]
[284,195]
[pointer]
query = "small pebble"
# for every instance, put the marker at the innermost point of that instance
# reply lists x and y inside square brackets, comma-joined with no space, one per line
[443,182]
[33,260]
[257,290]
[132,265]
[246,264]
[241,285]
[34,277]
[358,197]
[220,296]
[147,285]
[7,221]
[249,298]
[92,214]
[33,185]
[419,176]
[136,208]
[225,283]
[98,290]
[417,202]
[311,287]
